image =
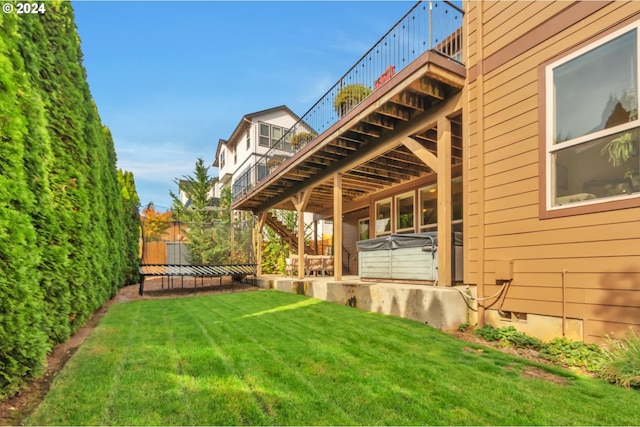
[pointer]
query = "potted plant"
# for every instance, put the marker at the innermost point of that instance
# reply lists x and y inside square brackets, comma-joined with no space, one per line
[302,138]
[349,96]
[620,150]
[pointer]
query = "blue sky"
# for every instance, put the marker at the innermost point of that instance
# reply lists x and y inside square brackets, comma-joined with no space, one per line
[170,78]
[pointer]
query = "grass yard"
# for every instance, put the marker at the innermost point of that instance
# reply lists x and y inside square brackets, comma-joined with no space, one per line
[272,358]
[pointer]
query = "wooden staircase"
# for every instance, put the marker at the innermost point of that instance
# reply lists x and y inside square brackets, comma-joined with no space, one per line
[285,233]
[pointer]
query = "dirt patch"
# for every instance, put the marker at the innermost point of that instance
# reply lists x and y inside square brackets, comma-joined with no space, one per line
[533,372]
[525,353]
[15,409]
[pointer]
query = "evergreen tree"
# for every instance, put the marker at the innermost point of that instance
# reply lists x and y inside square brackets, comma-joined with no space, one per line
[64,244]
[207,239]
[23,343]
[131,202]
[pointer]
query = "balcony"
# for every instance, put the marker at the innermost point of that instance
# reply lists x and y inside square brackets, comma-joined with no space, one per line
[415,66]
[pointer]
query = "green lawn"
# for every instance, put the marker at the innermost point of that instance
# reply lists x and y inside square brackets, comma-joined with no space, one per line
[272,358]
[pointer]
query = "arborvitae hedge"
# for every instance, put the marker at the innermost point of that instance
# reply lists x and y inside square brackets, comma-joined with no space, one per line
[67,237]
[23,345]
[131,202]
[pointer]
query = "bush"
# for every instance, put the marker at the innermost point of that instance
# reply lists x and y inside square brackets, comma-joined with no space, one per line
[622,361]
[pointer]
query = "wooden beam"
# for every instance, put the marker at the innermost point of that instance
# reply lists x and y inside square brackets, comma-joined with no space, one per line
[444,202]
[337,226]
[422,153]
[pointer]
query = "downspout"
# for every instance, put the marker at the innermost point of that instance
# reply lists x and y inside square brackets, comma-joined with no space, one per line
[564,303]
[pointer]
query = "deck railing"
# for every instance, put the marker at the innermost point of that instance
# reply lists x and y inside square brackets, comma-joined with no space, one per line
[429,25]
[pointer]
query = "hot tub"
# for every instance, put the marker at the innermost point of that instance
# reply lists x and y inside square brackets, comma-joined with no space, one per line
[406,257]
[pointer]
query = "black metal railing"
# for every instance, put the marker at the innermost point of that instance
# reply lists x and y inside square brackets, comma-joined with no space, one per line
[429,25]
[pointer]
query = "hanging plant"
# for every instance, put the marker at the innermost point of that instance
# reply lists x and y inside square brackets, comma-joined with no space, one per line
[620,149]
[302,138]
[350,96]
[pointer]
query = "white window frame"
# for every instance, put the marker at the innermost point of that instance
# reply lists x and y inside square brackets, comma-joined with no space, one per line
[551,148]
[285,136]
[433,188]
[261,135]
[408,194]
[368,222]
[375,221]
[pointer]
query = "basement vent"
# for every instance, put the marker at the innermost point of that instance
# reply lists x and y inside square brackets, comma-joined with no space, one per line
[505,316]
[512,316]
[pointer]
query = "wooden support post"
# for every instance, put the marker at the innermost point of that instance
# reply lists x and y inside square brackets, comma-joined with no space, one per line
[337,226]
[315,235]
[262,217]
[444,202]
[300,201]
[301,263]
[231,257]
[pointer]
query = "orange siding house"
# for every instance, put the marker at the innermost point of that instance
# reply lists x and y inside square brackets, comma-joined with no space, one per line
[553,206]
[518,127]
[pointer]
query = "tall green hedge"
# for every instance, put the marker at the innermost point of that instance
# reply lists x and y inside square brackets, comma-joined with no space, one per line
[67,235]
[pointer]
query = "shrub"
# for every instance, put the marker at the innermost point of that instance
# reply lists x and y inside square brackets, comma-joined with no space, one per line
[508,336]
[622,361]
[574,354]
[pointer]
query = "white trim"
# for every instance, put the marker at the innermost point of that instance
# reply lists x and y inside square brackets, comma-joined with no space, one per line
[406,195]
[375,220]
[368,221]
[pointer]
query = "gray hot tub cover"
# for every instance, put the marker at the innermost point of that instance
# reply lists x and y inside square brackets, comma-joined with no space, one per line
[427,240]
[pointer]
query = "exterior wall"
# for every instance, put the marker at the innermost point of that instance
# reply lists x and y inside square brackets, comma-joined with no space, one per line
[583,269]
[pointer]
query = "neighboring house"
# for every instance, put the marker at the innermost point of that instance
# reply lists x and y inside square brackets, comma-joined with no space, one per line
[241,160]
[517,125]
[254,135]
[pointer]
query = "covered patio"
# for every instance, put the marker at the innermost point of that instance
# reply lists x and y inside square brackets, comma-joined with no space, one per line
[405,132]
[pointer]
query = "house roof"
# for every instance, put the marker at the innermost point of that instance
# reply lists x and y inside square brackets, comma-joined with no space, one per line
[244,124]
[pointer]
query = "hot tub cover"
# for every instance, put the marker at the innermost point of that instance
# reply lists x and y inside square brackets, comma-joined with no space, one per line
[395,241]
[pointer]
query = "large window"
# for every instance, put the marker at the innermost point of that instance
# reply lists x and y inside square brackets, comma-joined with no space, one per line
[270,135]
[222,157]
[592,126]
[383,217]
[429,206]
[265,135]
[363,229]
[404,213]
